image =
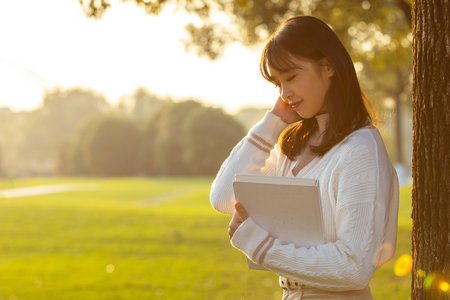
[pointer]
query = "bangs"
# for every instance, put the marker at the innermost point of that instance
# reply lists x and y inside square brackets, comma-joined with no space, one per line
[275,56]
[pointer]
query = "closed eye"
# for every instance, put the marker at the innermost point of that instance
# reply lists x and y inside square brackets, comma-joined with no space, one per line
[290,78]
[277,84]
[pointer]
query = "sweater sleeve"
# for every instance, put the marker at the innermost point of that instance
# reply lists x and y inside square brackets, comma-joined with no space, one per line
[254,154]
[361,215]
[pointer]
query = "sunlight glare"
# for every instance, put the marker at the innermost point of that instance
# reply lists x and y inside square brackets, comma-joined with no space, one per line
[421,273]
[365,5]
[136,46]
[337,11]
[443,285]
[389,103]
[403,265]
[367,46]
[110,268]
[429,280]
[359,66]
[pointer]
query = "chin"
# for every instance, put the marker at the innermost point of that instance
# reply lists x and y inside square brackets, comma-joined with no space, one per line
[305,115]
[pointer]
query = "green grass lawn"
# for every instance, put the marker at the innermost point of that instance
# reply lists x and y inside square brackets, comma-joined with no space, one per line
[136,238]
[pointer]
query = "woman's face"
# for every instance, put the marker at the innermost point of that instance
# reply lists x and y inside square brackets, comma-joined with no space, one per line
[305,85]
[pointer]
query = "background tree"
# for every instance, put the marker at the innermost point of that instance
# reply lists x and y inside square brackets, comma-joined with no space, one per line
[254,20]
[209,135]
[431,185]
[11,125]
[164,140]
[71,159]
[248,116]
[148,162]
[377,34]
[2,170]
[46,128]
[64,164]
[107,146]
[141,104]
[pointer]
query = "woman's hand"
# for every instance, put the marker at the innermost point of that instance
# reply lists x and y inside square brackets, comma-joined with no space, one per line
[240,215]
[285,112]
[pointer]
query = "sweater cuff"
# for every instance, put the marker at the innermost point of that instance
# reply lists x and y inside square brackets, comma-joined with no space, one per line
[252,240]
[268,129]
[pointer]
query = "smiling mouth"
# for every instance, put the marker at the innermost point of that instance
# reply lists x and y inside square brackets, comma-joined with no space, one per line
[296,104]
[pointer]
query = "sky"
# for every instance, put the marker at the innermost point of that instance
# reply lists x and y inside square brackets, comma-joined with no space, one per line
[50,43]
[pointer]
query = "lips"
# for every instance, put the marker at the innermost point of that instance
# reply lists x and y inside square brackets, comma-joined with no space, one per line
[296,104]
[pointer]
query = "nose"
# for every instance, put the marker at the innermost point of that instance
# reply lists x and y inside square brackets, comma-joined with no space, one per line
[286,94]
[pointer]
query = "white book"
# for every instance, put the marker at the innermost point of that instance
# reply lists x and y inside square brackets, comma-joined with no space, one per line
[288,208]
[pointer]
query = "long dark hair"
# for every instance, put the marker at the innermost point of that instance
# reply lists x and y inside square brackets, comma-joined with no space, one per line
[310,38]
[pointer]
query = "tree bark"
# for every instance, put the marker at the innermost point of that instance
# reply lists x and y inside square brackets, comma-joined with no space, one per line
[431,120]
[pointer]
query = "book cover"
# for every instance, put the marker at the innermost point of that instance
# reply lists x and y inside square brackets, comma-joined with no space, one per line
[289,208]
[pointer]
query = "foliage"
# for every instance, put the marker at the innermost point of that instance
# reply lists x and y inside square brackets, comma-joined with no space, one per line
[76,132]
[71,160]
[253,20]
[178,138]
[249,116]
[2,170]
[46,128]
[376,33]
[12,126]
[160,238]
[165,132]
[188,138]
[109,146]
[141,104]
[209,135]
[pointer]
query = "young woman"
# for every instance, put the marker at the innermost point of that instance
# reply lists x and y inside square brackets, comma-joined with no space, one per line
[324,131]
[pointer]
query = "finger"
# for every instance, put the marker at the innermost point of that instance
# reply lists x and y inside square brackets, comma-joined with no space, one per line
[230,232]
[234,224]
[236,217]
[242,212]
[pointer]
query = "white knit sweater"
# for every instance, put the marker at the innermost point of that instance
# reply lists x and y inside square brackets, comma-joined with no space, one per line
[359,197]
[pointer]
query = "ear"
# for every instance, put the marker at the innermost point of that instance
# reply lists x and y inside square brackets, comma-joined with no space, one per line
[326,67]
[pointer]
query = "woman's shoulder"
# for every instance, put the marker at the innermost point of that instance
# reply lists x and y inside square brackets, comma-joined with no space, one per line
[367,135]
[365,141]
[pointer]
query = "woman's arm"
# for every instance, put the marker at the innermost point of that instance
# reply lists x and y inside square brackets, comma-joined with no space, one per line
[361,217]
[252,155]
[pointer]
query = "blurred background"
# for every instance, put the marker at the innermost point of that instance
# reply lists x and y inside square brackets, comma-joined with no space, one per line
[116,115]
[122,88]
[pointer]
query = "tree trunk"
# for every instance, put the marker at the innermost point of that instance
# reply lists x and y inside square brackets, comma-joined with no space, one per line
[431,120]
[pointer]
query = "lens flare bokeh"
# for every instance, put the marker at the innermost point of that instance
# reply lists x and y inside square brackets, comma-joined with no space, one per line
[403,265]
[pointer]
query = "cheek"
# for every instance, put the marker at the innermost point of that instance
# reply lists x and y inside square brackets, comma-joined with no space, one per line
[313,88]
[321,88]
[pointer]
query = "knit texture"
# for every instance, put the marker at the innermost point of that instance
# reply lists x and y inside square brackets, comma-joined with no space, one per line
[359,198]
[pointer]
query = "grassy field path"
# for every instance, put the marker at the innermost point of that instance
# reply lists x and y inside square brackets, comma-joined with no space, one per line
[138,238]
